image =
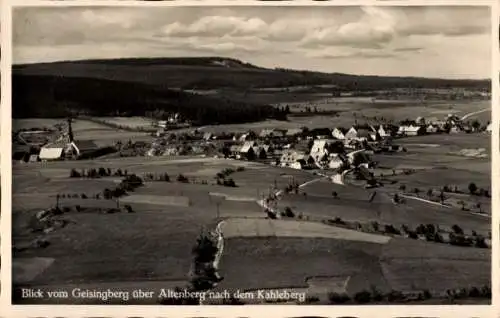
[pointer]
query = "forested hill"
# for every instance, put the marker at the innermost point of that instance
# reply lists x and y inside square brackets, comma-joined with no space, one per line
[220,72]
[55,96]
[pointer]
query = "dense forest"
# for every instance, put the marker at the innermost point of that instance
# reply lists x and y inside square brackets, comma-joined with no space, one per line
[56,96]
[218,72]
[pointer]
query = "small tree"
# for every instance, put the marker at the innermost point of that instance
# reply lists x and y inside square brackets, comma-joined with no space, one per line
[457,229]
[472,188]
[429,193]
[289,213]
[362,297]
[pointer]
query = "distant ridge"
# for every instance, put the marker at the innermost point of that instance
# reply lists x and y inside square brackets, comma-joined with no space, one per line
[222,72]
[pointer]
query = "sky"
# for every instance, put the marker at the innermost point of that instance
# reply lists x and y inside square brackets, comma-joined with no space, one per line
[446,42]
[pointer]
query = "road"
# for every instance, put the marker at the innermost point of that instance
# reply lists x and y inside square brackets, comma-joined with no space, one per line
[474,113]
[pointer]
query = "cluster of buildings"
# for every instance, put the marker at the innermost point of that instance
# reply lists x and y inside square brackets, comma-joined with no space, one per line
[63,147]
[322,148]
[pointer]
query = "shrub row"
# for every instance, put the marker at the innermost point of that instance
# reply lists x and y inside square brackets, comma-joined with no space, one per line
[431,232]
[97,173]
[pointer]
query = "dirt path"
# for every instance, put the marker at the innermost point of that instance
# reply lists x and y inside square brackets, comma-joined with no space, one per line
[475,113]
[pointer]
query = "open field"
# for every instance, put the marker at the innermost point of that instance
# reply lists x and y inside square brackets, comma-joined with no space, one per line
[283,228]
[168,219]
[278,262]
[250,263]
[131,122]
[84,130]
[153,246]
[348,112]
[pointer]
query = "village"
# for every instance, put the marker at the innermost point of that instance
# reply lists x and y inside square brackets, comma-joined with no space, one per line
[298,148]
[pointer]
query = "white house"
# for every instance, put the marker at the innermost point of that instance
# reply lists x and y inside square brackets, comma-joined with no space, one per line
[335,161]
[431,129]
[289,157]
[383,131]
[319,149]
[410,130]
[358,133]
[339,133]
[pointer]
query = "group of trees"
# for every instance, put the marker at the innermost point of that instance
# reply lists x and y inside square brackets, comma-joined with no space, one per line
[203,276]
[97,173]
[58,96]
[431,232]
[129,183]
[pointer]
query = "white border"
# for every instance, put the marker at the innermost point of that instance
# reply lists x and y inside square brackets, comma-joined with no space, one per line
[232,311]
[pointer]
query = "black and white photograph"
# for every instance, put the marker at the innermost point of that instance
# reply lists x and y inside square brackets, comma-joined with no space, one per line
[249,155]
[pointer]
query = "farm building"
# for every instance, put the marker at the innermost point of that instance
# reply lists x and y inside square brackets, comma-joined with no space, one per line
[410,130]
[339,133]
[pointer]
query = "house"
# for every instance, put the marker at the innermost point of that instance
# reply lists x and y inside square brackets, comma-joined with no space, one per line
[358,133]
[357,157]
[385,131]
[85,147]
[259,152]
[410,130]
[454,129]
[234,150]
[289,157]
[335,161]
[55,151]
[162,124]
[160,132]
[432,120]
[431,129]
[208,136]
[489,128]
[171,151]
[266,133]
[339,133]
[319,150]
[34,158]
[303,162]
[420,121]
[247,150]
[453,119]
